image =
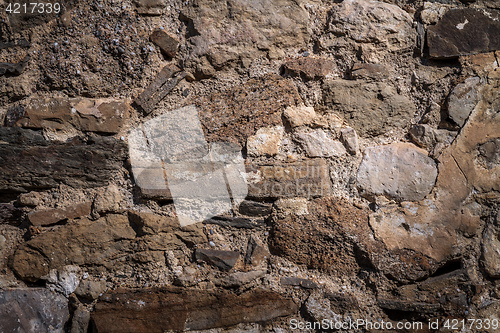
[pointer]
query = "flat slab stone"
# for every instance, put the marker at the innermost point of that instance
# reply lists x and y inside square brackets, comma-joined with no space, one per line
[103,115]
[52,216]
[33,310]
[181,309]
[307,179]
[399,171]
[463,32]
[29,162]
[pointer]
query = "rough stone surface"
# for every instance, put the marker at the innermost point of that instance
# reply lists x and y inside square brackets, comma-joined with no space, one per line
[55,215]
[253,208]
[317,143]
[89,289]
[491,251]
[399,171]
[462,32]
[64,280]
[96,115]
[83,243]
[29,162]
[463,100]
[80,321]
[299,179]
[303,115]
[429,138]
[261,100]
[251,30]
[33,310]
[309,67]
[370,108]
[179,309]
[10,214]
[350,140]
[166,42]
[265,142]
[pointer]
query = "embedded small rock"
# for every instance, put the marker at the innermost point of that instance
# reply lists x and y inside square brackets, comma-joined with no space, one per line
[265,142]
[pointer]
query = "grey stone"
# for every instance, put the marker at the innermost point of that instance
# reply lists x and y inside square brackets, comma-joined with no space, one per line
[317,143]
[239,279]
[253,208]
[294,281]
[64,280]
[400,171]
[463,99]
[33,310]
[371,108]
[91,289]
[225,260]
[350,140]
[319,308]
[427,137]
[237,222]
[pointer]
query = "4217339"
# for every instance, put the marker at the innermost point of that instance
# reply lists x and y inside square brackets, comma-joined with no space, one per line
[33,8]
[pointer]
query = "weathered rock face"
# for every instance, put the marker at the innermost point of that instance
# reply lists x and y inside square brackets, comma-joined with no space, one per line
[178,309]
[95,115]
[462,32]
[83,243]
[228,32]
[33,310]
[52,216]
[30,162]
[491,249]
[309,67]
[317,143]
[431,226]
[463,100]
[399,171]
[371,108]
[265,142]
[225,116]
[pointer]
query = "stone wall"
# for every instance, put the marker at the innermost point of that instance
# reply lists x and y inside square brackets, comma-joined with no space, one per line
[366,135]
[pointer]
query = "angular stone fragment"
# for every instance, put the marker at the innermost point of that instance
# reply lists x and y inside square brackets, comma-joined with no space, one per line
[253,208]
[257,254]
[400,171]
[464,31]
[64,280]
[166,42]
[91,289]
[184,309]
[376,72]
[29,162]
[463,99]
[150,7]
[148,99]
[427,137]
[302,115]
[225,260]
[238,279]
[317,143]
[33,310]
[90,243]
[265,142]
[310,67]
[306,179]
[81,319]
[93,115]
[491,251]
[294,281]
[371,108]
[237,222]
[54,215]
[350,140]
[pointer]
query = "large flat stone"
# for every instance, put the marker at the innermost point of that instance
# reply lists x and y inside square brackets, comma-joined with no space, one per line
[399,171]
[29,162]
[307,179]
[93,115]
[463,99]
[54,215]
[180,309]
[463,32]
[371,108]
[33,310]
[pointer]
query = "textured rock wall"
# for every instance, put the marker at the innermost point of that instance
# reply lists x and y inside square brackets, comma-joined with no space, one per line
[239,166]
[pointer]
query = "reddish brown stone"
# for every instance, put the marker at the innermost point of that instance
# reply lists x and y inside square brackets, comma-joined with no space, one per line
[310,67]
[225,260]
[180,309]
[237,113]
[52,216]
[166,42]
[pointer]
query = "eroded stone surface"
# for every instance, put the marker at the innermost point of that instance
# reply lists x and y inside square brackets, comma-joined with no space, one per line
[265,142]
[317,143]
[463,99]
[52,216]
[179,309]
[371,108]
[399,171]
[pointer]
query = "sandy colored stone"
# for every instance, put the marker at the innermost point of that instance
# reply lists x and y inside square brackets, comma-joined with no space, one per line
[266,142]
[317,143]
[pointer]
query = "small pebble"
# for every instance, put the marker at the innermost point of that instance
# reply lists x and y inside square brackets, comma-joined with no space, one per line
[212,244]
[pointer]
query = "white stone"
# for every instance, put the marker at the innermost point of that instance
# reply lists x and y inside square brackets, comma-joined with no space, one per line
[266,141]
[317,143]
